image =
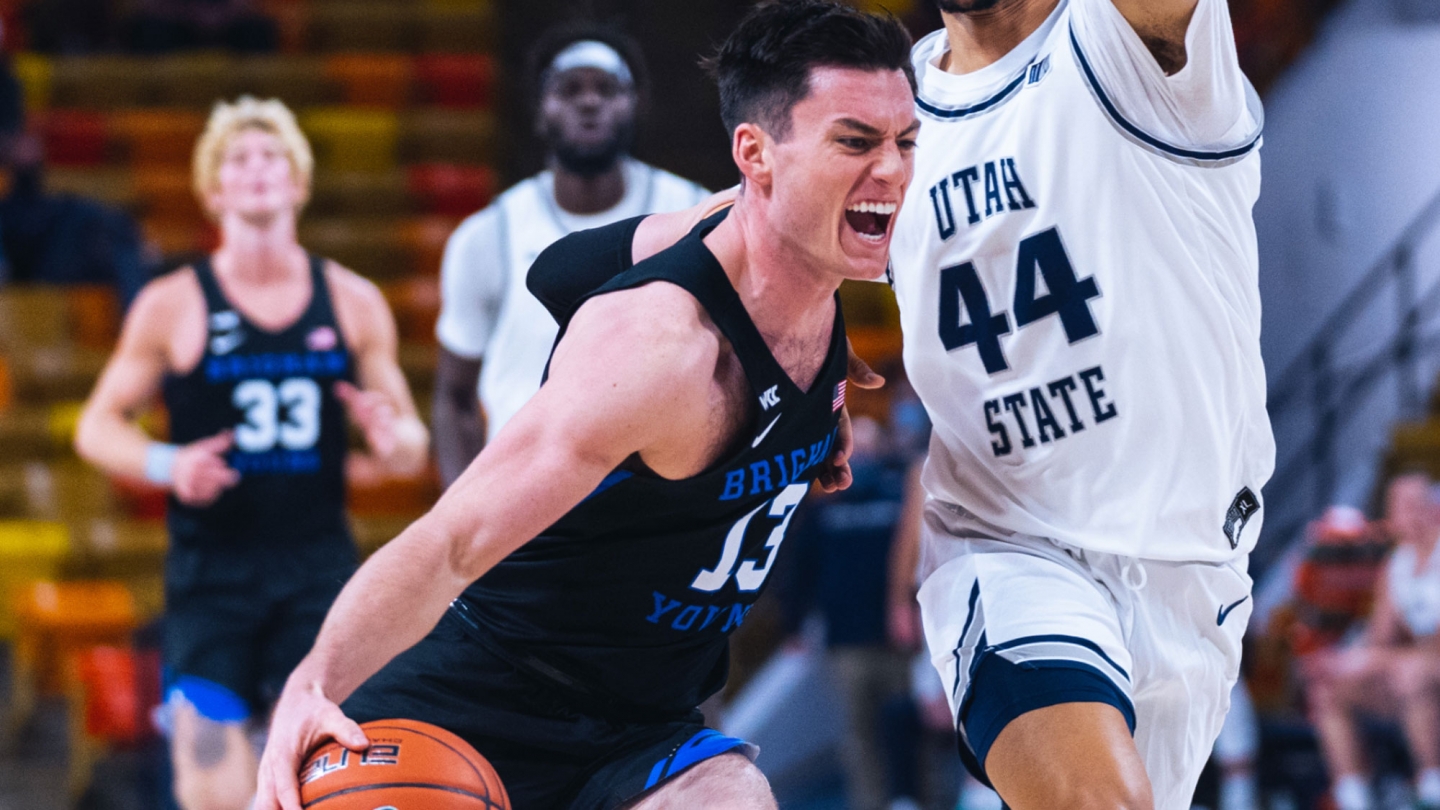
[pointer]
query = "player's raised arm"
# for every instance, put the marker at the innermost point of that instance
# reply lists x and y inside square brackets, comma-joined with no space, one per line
[632,376]
[381,406]
[1162,25]
[107,435]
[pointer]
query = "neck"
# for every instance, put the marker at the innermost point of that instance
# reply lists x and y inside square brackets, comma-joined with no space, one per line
[582,194]
[981,38]
[259,251]
[783,289]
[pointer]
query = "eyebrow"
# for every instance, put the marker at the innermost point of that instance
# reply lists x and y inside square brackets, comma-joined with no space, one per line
[866,129]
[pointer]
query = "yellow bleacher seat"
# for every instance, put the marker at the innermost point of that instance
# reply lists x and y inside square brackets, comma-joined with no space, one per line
[55,373]
[30,550]
[37,76]
[100,82]
[299,81]
[348,139]
[33,315]
[372,247]
[158,136]
[417,360]
[111,186]
[367,25]
[448,136]
[371,79]
[450,29]
[360,194]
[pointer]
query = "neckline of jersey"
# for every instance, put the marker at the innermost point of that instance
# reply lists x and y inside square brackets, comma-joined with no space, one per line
[952,88]
[316,279]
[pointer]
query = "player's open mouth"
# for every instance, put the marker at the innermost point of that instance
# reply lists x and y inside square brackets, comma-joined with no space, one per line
[871,220]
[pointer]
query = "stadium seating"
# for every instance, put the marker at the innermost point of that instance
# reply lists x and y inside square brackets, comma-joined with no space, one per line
[351,139]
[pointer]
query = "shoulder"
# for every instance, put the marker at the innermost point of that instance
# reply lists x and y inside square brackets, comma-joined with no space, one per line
[658,325]
[359,304]
[478,228]
[167,296]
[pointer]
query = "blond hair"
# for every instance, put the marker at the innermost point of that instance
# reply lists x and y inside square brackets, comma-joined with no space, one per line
[247,112]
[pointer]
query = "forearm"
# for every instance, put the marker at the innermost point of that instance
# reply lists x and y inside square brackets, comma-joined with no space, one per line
[459,435]
[395,598]
[112,443]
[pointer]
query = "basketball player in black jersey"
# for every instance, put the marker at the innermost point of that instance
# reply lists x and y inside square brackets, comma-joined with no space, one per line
[260,351]
[578,581]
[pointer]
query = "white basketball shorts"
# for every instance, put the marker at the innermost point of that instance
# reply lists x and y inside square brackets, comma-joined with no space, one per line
[1020,623]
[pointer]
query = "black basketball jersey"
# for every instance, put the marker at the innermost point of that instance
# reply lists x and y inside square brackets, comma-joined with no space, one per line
[275,390]
[630,597]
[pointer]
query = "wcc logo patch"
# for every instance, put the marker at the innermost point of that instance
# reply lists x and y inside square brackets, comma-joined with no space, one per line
[1241,509]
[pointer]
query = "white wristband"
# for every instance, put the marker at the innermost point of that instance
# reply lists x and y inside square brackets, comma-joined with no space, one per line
[160,463]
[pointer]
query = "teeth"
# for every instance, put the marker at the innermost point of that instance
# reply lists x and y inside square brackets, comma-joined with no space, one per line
[874,208]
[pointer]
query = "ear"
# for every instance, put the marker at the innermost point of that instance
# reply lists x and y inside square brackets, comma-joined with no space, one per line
[750,147]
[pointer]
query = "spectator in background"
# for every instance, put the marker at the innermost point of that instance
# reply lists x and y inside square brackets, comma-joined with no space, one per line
[590,82]
[838,563]
[1394,668]
[61,238]
[162,26]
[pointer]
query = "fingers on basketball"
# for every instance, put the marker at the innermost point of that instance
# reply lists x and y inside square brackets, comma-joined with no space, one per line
[408,764]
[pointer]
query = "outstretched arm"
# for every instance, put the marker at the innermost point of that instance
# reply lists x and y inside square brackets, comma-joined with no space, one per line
[620,384]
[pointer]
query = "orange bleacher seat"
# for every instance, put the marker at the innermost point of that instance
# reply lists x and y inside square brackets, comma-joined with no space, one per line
[158,136]
[347,139]
[346,25]
[180,236]
[372,496]
[7,388]
[371,79]
[30,550]
[448,136]
[165,192]
[452,190]
[416,304]
[446,29]
[94,315]
[299,81]
[425,238]
[74,137]
[455,79]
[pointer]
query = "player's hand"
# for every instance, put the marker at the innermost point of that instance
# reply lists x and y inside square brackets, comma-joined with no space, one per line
[858,372]
[304,719]
[835,473]
[374,413]
[200,473]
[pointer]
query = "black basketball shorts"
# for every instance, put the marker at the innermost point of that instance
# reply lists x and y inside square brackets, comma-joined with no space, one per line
[549,752]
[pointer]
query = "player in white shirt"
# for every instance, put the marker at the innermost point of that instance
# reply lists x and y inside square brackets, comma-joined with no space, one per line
[1076,271]
[590,83]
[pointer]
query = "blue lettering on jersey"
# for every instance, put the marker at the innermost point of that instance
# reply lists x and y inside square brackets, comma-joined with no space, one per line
[233,368]
[1050,408]
[997,180]
[276,462]
[693,618]
[777,472]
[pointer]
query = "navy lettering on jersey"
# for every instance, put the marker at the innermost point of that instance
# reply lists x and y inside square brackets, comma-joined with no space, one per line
[1002,188]
[1046,405]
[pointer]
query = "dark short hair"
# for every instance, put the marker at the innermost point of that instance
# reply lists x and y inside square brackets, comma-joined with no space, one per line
[557,38]
[763,68]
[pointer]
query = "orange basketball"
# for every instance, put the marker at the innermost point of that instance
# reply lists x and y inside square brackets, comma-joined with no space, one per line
[409,766]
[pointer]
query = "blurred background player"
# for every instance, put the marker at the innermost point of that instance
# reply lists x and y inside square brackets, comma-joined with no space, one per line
[495,337]
[1394,668]
[261,352]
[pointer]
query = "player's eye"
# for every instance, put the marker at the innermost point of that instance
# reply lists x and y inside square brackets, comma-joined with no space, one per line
[858,144]
[906,144]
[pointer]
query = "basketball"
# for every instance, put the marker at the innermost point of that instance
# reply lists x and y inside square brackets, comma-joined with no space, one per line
[409,766]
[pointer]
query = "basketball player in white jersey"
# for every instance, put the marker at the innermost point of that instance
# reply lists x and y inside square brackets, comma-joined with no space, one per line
[1076,271]
[1394,668]
[590,81]
[1077,277]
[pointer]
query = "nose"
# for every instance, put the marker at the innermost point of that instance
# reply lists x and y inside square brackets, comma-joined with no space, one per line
[892,166]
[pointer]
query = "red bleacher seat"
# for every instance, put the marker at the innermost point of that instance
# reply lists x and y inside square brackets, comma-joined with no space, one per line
[159,136]
[74,137]
[455,80]
[452,190]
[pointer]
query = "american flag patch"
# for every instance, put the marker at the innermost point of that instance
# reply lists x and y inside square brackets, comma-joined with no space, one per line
[839,401]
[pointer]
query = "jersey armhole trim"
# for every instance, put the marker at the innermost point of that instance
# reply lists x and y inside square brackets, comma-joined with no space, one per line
[1194,157]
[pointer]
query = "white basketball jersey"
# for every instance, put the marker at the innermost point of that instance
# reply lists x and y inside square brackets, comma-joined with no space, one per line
[530,221]
[1079,296]
[1415,593]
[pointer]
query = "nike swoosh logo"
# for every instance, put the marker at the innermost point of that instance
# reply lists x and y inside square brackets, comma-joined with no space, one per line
[226,343]
[1225,611]
[763,433]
